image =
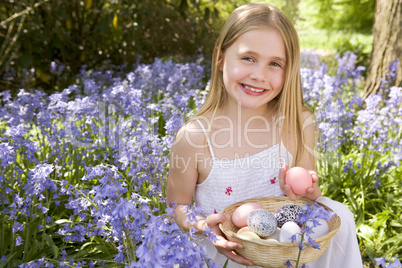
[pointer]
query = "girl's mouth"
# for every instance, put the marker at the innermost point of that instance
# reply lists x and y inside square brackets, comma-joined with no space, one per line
[252,90]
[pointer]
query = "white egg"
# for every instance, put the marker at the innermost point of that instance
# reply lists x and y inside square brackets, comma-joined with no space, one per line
[274,236]
[288,230]
[319,230]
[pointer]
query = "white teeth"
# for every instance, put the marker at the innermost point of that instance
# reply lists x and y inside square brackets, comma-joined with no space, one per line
[253,89]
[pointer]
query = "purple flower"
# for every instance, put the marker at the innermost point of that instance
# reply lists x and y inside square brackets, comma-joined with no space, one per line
[397,263]
[17,227]
[192,211]
[211,236]
[380,261]
[391,75]
[18,240]
[6,155]
[288,264]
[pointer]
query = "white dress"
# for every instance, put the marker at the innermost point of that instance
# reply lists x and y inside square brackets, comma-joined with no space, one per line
[231,181]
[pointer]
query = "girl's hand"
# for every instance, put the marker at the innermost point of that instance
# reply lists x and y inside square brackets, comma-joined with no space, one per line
[224,246]
[312,193]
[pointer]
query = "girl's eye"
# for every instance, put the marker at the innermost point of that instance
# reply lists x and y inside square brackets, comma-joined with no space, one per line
[275,64]
[248,59]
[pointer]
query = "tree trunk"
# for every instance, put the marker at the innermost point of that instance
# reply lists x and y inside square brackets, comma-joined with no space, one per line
[387,45]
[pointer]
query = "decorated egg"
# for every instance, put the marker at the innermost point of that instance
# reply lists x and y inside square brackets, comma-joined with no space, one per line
[262,222]
[239,216]
[287,213]
[288,230]
[318,230]
[299,179]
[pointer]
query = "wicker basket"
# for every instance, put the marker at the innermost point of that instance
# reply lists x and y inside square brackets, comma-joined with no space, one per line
[271,253]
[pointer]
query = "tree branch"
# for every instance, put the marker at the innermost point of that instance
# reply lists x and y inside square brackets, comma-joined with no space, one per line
[25,11]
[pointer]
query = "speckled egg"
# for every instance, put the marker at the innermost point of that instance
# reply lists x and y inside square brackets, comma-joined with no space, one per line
[239,217]
[262,222]
[287,213]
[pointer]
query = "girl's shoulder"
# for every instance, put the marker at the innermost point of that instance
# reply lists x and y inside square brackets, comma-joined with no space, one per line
[306,112]
[191,136]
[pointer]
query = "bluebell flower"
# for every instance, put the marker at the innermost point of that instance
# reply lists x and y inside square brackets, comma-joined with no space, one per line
[6,96]
[377,183]
[311,212]
[192,232]
[192,211]
[17,227]
[6,155]
[380,261]
[397,263]
[288,264]
[391,75]
[212,264]
[211,236]
[18,240]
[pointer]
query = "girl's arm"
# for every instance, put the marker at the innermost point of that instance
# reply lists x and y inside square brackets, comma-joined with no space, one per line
[182,180]
[308,161]
[183,175]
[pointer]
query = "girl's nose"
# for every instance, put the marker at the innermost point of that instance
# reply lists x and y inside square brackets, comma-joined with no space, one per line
[259,73]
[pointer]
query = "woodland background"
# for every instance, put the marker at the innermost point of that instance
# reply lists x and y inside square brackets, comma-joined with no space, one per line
[95,33]
[92,93]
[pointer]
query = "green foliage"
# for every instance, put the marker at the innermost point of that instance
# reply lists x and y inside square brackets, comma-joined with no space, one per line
[338,15]
[94,33]
[377,210]
[371,187]
[33,33]
[358,48]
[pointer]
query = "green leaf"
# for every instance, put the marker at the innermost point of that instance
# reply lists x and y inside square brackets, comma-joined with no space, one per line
[50,243]
[9,258]
[226,264]
[395,223]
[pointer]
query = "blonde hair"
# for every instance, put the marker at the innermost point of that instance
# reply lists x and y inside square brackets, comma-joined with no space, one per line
[290,99]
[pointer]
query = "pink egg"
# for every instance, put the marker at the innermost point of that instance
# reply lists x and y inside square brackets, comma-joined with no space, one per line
[299,180]
[240,215]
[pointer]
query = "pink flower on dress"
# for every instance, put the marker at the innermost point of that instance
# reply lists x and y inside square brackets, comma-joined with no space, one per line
[228,190]
[273,181]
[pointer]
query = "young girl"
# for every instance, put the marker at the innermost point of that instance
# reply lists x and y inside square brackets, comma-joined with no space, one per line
[251,128]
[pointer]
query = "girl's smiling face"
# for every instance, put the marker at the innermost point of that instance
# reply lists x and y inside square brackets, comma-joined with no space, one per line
[254,68]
